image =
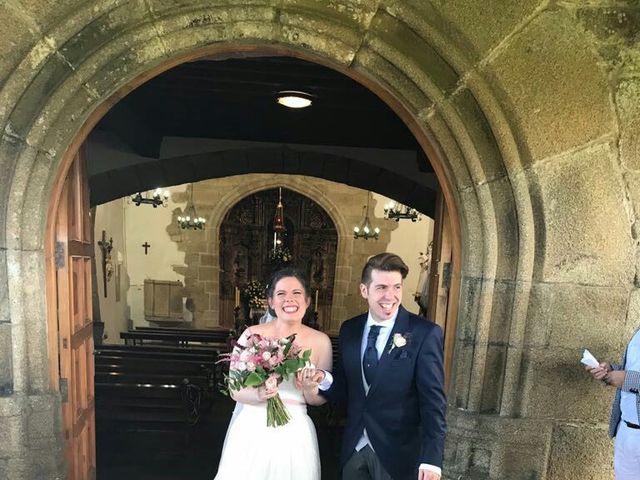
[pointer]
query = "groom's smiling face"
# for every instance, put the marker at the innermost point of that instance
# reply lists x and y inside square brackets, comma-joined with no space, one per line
[383,294]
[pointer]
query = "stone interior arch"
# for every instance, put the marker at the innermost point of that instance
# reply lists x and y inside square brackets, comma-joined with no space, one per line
[343,276]
[536,185]
[326,324]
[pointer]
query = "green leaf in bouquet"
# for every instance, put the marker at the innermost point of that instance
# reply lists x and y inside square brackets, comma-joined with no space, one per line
[253,380]
[306,356]
[292,365]
[289,345]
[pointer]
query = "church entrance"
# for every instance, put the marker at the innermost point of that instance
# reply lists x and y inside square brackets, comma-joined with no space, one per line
[232,252]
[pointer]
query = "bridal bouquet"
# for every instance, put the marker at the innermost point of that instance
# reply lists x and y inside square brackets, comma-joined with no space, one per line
[265,361]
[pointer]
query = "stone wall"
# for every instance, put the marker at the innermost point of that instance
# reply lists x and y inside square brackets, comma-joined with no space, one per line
[530,117]
[113,307]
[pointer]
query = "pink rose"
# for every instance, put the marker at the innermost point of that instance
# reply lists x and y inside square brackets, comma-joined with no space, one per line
[266,356]
[273,361]
[272,382]
[245,356]
[251,366]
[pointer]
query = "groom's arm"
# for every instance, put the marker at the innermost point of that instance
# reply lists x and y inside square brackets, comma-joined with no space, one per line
[430,385]
[334,387]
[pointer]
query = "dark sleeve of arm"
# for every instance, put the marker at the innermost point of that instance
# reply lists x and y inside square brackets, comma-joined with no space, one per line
[338,390]
[430,384]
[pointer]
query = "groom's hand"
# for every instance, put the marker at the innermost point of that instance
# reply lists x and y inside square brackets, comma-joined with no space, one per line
[308,379]
[424,474]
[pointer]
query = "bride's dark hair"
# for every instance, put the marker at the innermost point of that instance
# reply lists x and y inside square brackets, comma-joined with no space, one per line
[285,273]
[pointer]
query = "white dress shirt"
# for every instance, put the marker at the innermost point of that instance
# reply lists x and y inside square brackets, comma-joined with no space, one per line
[383,335]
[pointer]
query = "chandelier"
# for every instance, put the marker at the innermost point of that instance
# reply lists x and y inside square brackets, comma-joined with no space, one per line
[364,230]
[158,198]
[190,219]
[397,211]
[279,228]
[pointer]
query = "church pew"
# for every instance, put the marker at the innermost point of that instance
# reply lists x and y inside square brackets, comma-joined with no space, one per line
[334,349]
[146,389]
[207,331]
[161,349]
[178,338]
[217,336]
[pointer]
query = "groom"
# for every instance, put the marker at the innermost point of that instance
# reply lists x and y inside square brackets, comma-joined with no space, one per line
[390,372]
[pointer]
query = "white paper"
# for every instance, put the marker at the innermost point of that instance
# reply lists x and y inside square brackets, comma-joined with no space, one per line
[589,360]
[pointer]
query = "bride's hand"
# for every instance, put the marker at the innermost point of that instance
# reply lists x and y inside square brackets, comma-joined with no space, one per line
[265,393]
[269,389]
[308,379]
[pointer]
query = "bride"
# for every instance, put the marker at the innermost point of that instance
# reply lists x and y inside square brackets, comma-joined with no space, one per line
[288,452]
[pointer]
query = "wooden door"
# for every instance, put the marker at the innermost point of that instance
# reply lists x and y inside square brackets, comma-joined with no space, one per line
[73,251]
[442,306]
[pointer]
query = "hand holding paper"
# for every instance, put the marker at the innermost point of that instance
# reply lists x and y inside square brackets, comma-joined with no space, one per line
[589,360]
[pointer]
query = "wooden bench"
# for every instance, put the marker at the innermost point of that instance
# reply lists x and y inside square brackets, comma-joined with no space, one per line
[153,388]
[222,333]
[138,337]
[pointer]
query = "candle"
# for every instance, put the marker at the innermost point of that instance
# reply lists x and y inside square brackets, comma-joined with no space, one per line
[316,307]
[237,297]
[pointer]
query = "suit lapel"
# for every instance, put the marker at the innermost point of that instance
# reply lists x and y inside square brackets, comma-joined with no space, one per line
[400,326]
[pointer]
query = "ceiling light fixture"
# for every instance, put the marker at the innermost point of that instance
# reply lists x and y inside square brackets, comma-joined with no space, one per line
[190,219]
[294,99]
[279,228]
[158,198]
[364,230]
[397,211]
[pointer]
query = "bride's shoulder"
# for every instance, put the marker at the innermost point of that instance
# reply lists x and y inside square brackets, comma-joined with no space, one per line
[316,336]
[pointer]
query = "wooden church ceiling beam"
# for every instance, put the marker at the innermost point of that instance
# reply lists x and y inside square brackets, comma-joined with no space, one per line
[118,183]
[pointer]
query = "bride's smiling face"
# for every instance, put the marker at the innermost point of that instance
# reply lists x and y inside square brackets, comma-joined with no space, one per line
[289,299]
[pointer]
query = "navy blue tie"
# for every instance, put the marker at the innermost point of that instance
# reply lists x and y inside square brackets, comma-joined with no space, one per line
[370,357]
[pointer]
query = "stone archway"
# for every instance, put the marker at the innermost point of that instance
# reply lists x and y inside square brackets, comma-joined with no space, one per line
[521,174]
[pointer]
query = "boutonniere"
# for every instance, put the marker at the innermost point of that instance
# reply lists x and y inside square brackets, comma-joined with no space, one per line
[398,341]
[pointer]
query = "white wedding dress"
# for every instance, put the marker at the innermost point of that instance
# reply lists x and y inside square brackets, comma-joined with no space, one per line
[254,451]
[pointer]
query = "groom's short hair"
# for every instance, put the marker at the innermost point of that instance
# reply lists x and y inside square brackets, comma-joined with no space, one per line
[386,262]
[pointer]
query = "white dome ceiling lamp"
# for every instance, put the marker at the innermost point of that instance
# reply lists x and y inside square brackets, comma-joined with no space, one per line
[294,99]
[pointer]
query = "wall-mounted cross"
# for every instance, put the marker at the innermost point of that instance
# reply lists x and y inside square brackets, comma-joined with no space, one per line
[146,247]
[105,249]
